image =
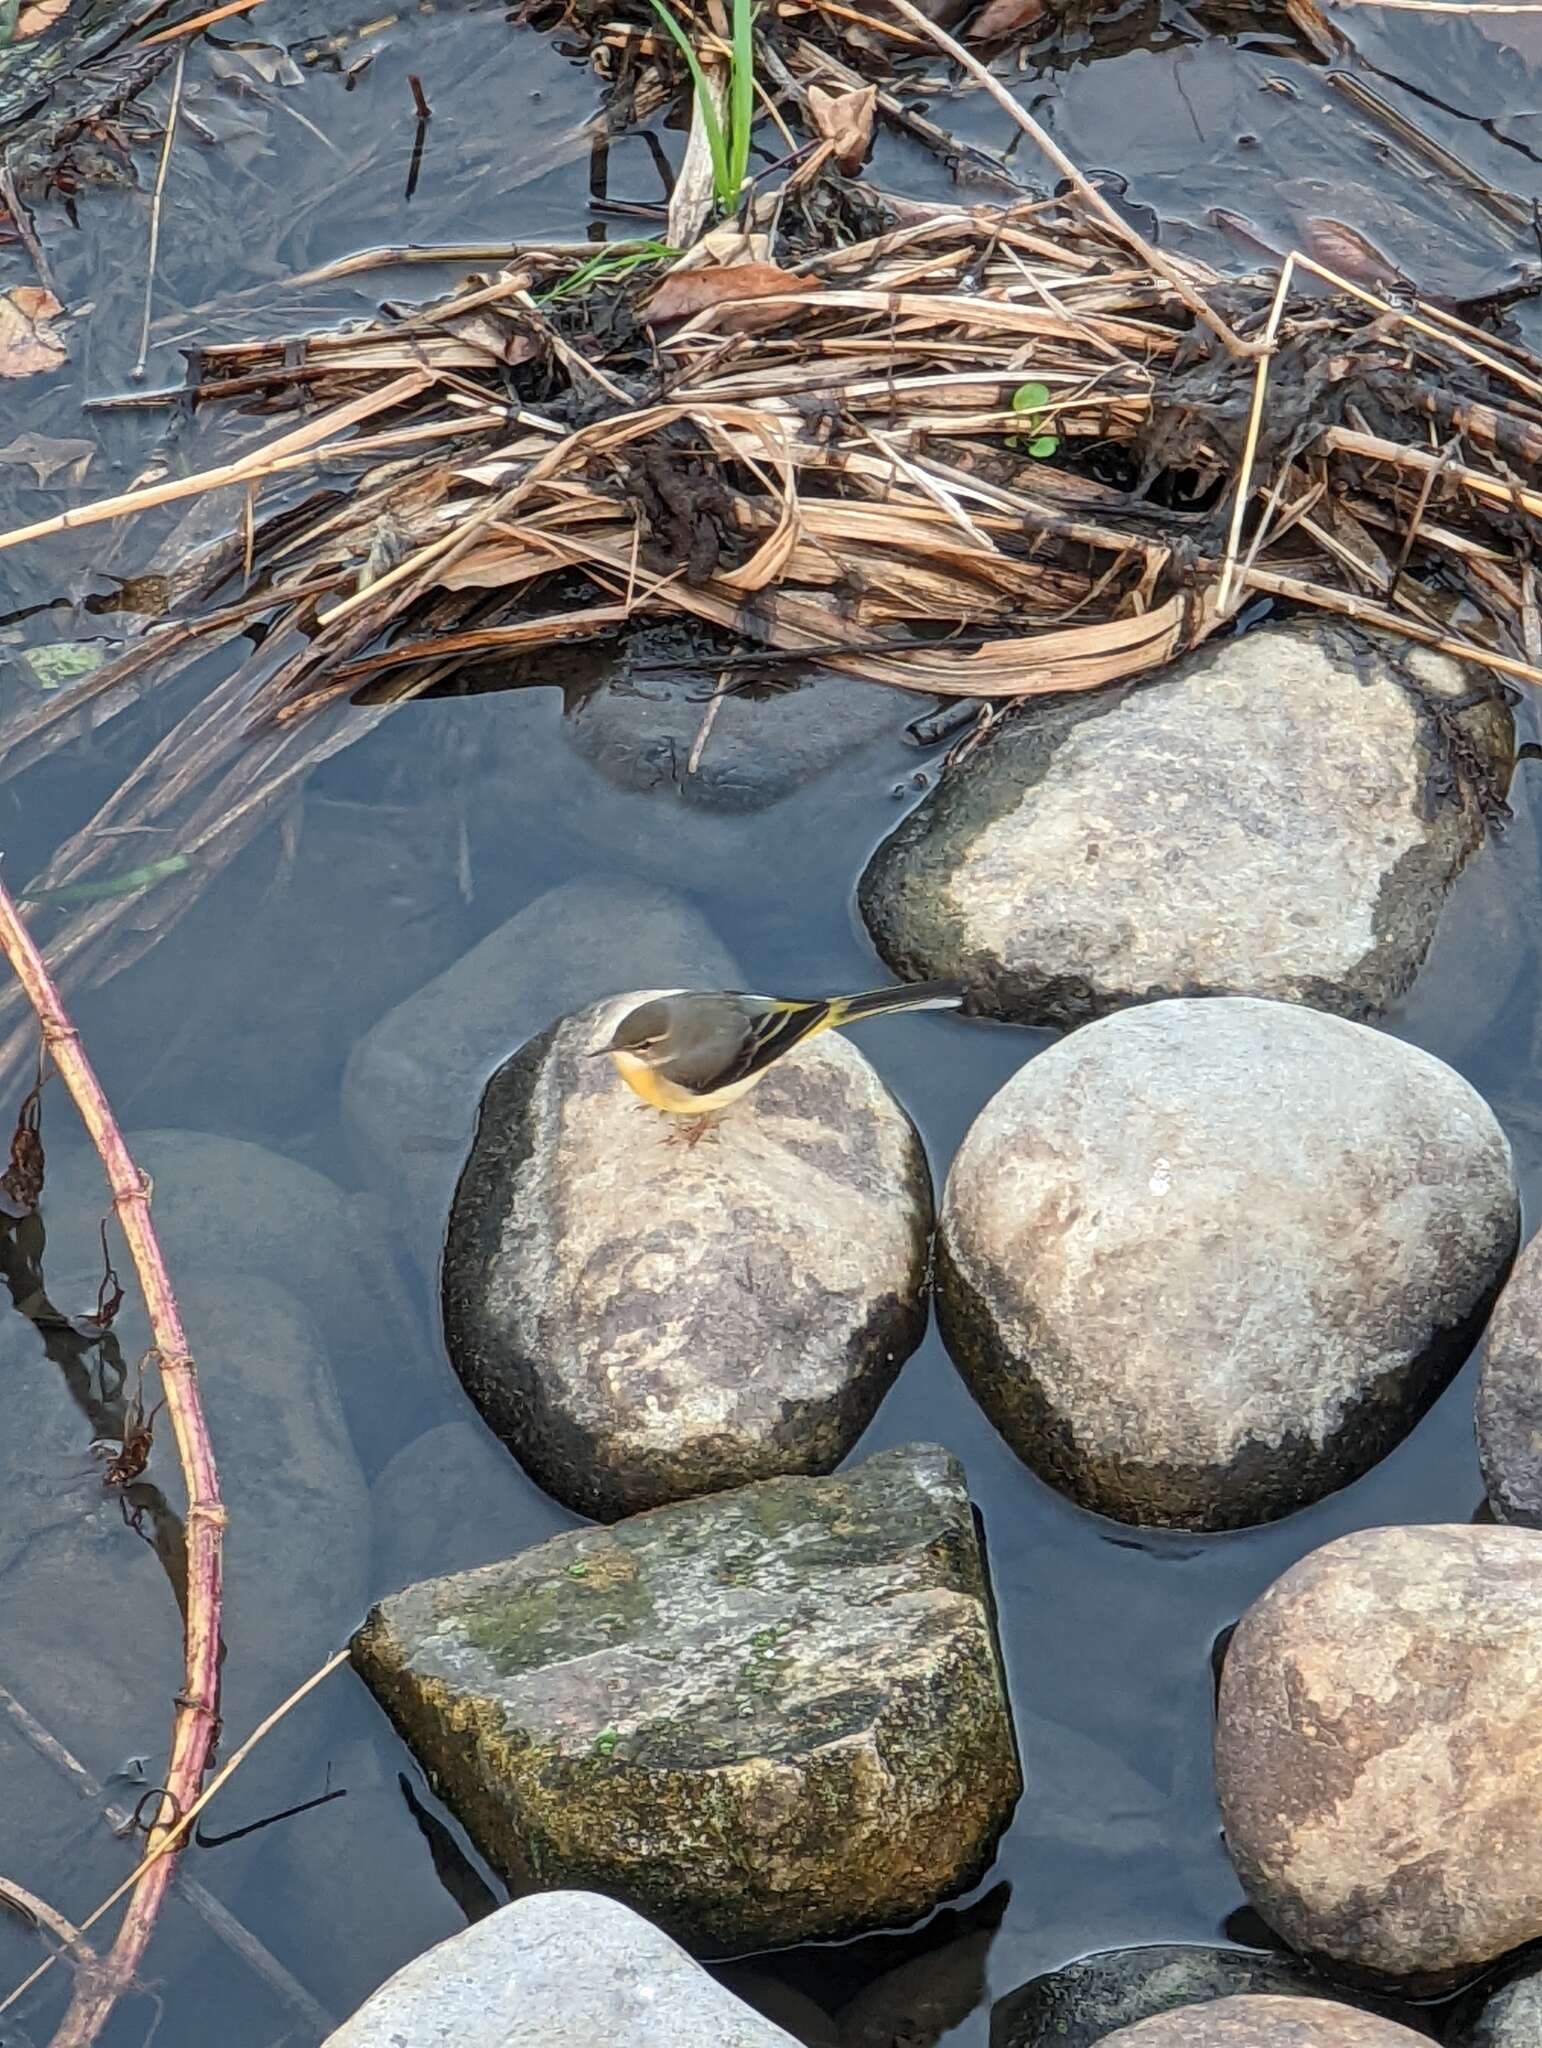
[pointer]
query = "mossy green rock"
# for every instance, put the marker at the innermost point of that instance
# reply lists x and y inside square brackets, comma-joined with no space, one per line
[772,1715]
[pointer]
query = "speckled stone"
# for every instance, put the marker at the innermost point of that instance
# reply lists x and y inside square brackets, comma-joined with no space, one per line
[1379,1752]
[1509,2017]
[640,1320]
[1265,2023]
[1081,2004]
[1509,1398]
[1280,815]
[769,1716]
[1203,1262]
[556,1970]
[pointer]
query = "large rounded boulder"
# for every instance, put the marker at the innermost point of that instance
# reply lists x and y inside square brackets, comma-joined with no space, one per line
[642,1319]
[1278,815]
[1203,1262]
[1509,1397]
[1379,1752]
[1265,2023]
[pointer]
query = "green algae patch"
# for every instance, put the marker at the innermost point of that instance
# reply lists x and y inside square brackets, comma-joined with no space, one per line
[770,1715]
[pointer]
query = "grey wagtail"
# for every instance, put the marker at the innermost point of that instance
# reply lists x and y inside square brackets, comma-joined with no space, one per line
[693,1053]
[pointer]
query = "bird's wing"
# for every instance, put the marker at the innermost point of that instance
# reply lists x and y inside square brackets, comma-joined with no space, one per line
[775,1030]
[739,1035]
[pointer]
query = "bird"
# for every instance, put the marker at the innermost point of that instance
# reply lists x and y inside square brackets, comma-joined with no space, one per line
[693,1052]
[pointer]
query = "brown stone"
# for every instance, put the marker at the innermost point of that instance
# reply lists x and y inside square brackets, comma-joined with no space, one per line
[1509,1397]
[1379,1752]
[1265,2023]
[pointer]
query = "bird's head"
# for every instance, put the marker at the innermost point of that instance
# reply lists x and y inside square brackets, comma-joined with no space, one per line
[642,1036]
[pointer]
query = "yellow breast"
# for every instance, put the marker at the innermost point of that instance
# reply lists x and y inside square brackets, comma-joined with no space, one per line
[662,1093]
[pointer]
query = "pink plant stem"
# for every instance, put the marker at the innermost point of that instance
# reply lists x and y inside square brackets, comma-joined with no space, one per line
[196,1714]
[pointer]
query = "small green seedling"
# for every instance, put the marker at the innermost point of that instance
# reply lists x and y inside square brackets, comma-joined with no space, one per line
[608,264]
[1031,400]
[730,152]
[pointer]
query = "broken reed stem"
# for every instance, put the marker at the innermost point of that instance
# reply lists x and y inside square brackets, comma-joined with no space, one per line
[31,1907]
[174,109]
[196,1716]
[158,1857]
[1085,191]
[1255,421]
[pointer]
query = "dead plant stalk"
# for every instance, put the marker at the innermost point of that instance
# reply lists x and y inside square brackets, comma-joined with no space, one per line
[196,1714]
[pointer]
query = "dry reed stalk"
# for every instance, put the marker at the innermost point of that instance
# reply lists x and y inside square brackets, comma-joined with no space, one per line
[160,1854]
[196,1717]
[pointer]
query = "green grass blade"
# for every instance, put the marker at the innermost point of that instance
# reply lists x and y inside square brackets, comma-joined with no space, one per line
[709,120]
[741,106]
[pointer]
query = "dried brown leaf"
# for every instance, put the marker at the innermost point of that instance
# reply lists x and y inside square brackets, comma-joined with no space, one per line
[693,291]
[28,344]
[37,16]
[1004,18]
[845,119]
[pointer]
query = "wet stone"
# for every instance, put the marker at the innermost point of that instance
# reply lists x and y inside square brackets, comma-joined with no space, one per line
[566,1969]
[1265,2023]
[451,1499]
[1509,2016]
[1509,1397]
[1086,2001]
[1377,1762]
[1203,1262]
[639,732]
[768,1716]
[411,1087]
[641,1320]
[1280,815]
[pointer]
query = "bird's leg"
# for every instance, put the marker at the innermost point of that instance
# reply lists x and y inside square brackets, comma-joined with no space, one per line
[691,1132]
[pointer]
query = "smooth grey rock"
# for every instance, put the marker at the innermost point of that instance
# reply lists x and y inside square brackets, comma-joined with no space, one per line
[768,1716]
[1203,1262]
[1510,2017]
[641,1320]
[450,1500]
[411,1086]
[1278,815]
[763,744]
[791,2009]
[1084,2002]
[1508,1404]
[1377,1761]
[222,1203]
[562,1969]
[1265,2022]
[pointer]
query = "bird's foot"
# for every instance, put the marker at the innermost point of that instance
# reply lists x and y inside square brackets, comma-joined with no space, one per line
[691,1133]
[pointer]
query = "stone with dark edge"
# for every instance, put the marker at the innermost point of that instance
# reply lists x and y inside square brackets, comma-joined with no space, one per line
[1082,2003]
[1277,815]
[1508,1403]
[768,1716]
[1203,1262]
[1265,2022]
[643,1320]
[1378,1753]
[1503,2014]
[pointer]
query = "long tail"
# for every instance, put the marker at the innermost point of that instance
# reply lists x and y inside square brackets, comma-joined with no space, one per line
[879,1002]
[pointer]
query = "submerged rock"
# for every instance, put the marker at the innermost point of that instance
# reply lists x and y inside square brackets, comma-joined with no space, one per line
[1509,1397]
[763,744]
[1377,1760]
[1278,815]
[1203,1262]
[769,1716]
[561,1969]
[1265,2023]
[1507,2017]
[642,1320]
[411,1087]
[1084,2002]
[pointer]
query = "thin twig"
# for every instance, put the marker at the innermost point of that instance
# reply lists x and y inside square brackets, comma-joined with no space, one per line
[199,21]
[24,226]
[69,1937]
[222,1923]
[167,139]
[158,1856]
[1250,447]
[196,1714]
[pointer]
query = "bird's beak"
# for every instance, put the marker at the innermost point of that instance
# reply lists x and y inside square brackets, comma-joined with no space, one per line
[594,1051]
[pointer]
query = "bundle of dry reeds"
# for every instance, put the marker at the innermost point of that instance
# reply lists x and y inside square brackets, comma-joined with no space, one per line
[816,449]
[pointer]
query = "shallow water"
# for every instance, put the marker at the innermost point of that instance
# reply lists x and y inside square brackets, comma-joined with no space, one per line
[454,813]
